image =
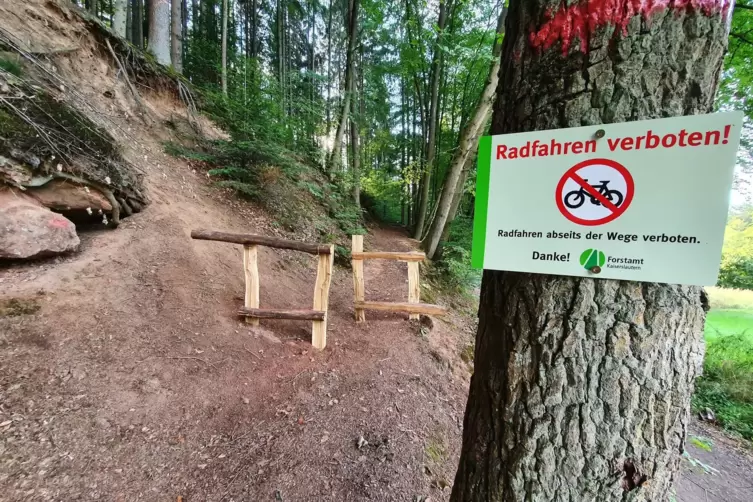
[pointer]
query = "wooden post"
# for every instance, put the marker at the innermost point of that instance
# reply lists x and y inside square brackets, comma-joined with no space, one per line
[414,285]
[251,269]
[358,281]
[321,297]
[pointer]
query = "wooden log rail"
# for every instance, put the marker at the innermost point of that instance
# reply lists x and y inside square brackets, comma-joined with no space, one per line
[385,255]
[251,310]
[413,307]
[296,315]
[261,240]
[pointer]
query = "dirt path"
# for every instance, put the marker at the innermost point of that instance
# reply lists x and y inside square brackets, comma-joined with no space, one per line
[721,471]
[134,380]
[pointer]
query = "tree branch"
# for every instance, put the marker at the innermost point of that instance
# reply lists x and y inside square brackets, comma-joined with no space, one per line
[741,37]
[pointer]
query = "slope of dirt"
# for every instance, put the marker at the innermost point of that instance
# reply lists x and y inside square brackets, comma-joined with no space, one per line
[129,377]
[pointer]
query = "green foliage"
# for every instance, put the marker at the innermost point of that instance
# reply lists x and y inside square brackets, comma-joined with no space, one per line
[452,271]
[11,66]
[737,258]
[726,386]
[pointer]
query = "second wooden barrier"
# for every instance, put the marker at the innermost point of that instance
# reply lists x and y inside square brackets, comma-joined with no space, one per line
[413,306]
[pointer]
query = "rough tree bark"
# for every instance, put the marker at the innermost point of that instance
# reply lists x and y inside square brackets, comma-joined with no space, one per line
[176,35]
[581,387]
[356,171]
[119,14]
[159,31]
[350,62]
[468,142]
[129,21]
[138,23]
[224,46]
[436,77]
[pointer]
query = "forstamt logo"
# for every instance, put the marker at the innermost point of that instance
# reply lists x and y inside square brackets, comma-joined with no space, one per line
[591,258]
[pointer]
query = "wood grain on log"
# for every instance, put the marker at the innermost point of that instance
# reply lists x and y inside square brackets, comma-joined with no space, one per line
[388,255]
[411,308]
[261,240]
[296,315]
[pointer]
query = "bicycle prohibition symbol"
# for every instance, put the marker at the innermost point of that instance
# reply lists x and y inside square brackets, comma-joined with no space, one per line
[603,199]
[576,198]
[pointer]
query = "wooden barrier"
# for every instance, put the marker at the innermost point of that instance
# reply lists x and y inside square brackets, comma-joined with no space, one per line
[413,307]
[251,310]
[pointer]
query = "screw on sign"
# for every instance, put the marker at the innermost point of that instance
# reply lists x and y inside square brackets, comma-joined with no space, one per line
[594,192]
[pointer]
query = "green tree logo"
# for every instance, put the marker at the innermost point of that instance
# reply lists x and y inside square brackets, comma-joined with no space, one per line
[591,258]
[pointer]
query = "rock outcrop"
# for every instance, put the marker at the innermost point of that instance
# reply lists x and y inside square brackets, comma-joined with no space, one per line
[30,230]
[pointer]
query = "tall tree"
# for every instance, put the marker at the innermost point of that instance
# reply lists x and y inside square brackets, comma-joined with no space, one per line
[224,45]
[129,21]
[581,387]
[466,145]
[159,30]
[350,62]
[119,14]
[436,78]
[176,35]
[138,23]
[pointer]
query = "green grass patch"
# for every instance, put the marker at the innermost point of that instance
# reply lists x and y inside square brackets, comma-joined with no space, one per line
[726,386]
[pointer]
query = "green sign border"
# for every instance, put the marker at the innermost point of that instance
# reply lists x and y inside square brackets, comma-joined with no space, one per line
[483,172]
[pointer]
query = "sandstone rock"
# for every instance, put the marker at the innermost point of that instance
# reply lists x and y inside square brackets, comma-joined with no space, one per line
[64,195]
[30,230]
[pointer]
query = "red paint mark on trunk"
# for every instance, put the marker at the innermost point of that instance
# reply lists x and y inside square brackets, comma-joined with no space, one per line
[582,19]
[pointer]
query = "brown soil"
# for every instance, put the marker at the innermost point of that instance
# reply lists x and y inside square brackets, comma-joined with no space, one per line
[125,375]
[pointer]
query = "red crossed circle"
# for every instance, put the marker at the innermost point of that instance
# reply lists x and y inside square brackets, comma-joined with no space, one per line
[572,174]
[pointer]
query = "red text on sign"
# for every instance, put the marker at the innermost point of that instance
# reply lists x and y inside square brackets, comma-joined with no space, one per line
[682,139]
[648,141]
[538,149]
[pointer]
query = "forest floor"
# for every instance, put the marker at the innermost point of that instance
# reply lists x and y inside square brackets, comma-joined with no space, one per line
[126,375]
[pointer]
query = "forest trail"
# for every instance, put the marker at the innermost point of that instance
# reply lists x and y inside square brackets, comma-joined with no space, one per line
[135,379]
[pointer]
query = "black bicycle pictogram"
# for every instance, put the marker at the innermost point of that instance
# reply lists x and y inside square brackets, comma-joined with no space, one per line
[576,198]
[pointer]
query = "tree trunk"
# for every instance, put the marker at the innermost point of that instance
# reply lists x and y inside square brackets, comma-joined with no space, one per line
[329,67]
[468,140]
[350,60]
[355,148]
[176,38]
[129,21]
[159,31]
[281,50]
[581,387]
[457,198]
[436,77]
[138,23]
[91,5]
[224,46]
[119,15]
